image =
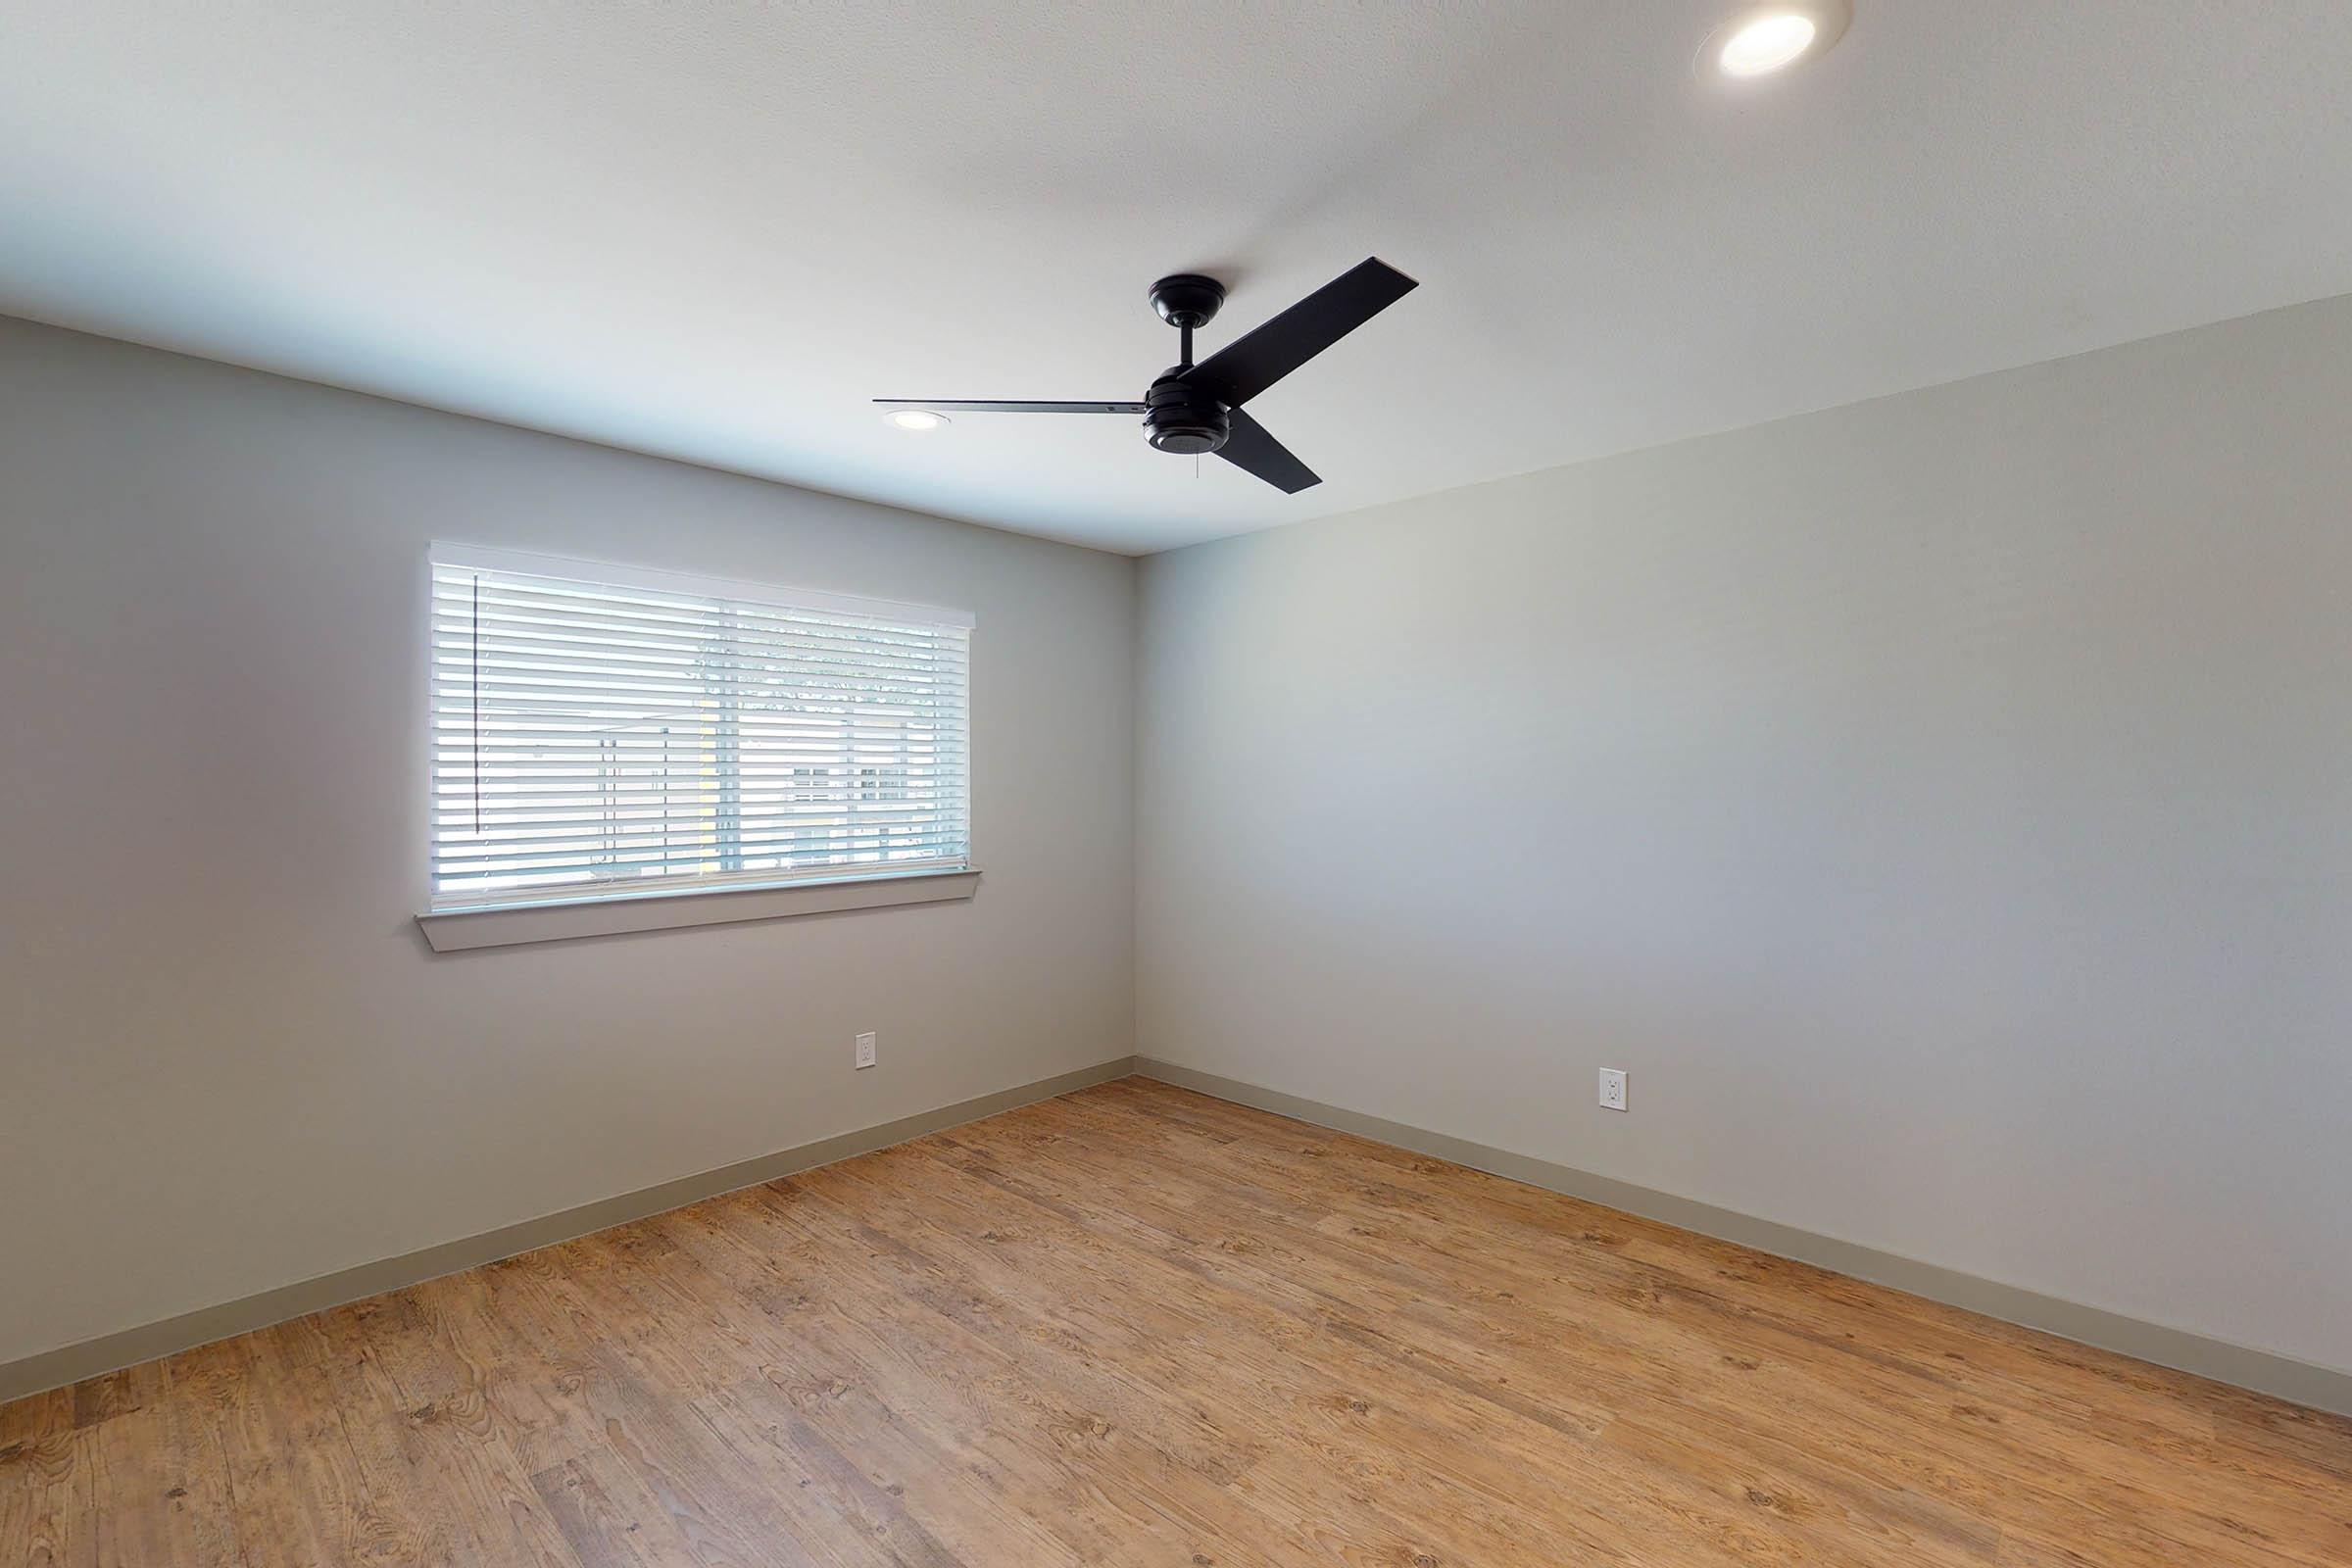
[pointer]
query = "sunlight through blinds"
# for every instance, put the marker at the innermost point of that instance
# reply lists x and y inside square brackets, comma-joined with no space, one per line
[600,731]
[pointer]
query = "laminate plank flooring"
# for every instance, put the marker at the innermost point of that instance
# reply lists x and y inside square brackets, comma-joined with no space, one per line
[1139,1326]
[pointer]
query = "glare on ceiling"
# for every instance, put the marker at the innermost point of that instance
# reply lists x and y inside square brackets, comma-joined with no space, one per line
[1762,39]
[1766,44]
[915,418]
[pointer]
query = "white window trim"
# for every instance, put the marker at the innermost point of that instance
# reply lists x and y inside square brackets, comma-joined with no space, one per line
[562,918]
[501,925]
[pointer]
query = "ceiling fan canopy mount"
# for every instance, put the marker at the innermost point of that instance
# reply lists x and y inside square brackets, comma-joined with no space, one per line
[1187,300]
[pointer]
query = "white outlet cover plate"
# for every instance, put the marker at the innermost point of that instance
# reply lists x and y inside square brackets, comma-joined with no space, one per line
[1612,1087]
[866,1051]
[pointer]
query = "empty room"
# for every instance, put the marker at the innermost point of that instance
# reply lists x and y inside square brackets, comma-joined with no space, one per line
[1228,786]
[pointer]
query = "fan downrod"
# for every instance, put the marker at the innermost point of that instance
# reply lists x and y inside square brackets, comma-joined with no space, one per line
[1179,417]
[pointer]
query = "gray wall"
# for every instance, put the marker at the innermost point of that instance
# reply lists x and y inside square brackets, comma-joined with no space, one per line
[227,1060]
[1942,806]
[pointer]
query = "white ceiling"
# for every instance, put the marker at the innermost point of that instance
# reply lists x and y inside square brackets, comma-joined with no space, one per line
[714,230]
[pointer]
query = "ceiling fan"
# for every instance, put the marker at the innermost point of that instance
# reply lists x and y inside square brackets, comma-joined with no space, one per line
[1197,407]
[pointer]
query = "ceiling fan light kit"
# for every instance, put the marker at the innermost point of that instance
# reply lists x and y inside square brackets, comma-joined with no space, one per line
[1196,409]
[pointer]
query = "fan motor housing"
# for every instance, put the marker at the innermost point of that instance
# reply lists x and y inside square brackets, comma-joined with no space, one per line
[1180,418]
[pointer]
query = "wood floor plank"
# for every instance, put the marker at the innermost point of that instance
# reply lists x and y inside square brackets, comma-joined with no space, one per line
[163,1480]
[1452,1460]
[49,1506]
[1121,1361]
[37,1416]
[1087,1443]
[1462,1434]
[1882,1376]
[1139,1326]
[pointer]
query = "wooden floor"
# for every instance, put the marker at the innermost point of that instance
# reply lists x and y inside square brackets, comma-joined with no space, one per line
[1137,1326]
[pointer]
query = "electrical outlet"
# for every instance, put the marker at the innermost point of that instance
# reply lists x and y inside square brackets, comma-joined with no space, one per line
[866,1051]
[1612,1087]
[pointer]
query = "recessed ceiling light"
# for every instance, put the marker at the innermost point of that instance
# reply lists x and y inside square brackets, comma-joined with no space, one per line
[1762,39]
[915,418]
[1766,44]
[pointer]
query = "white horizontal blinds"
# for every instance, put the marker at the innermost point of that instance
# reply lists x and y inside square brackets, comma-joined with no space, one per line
[654,735]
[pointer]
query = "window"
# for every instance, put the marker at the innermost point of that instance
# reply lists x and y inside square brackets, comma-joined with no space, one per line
[600,731]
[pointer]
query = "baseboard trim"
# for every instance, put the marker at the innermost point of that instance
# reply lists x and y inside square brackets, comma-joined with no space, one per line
[2266,1372]
[2263,1371]
[51,1369]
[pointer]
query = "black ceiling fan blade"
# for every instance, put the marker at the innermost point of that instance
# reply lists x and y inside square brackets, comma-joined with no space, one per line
[980,405]
[1252,449]
[1265,353]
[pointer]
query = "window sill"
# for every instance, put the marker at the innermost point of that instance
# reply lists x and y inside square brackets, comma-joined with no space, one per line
[506,924]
